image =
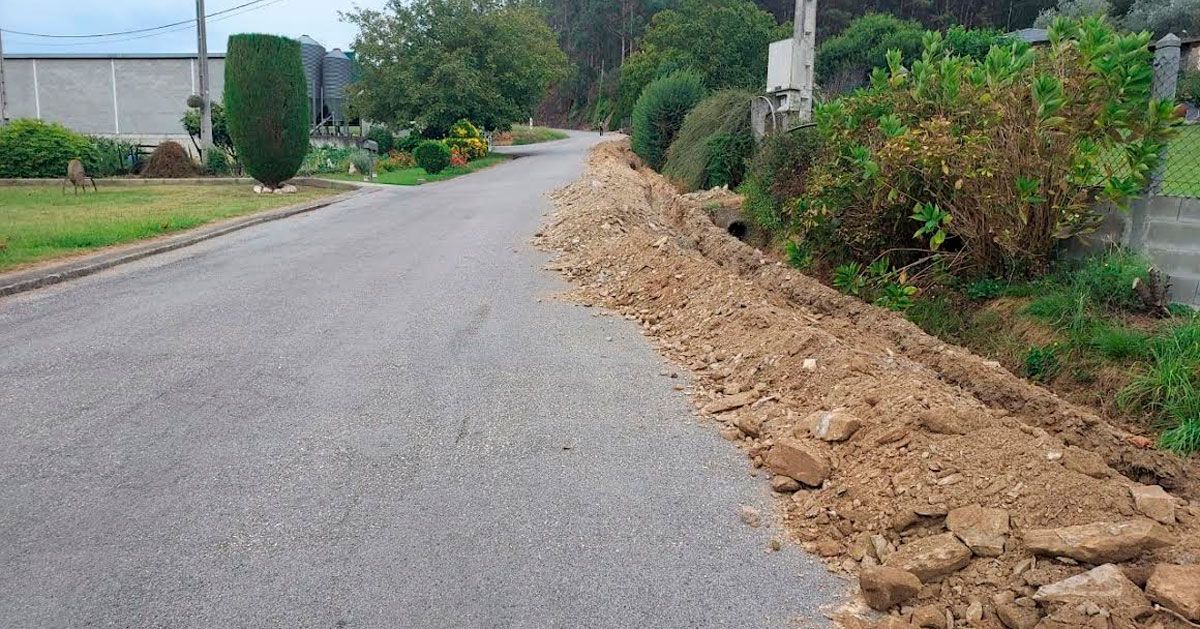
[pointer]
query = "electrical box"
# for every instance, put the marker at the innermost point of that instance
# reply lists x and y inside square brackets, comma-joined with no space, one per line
[784,67]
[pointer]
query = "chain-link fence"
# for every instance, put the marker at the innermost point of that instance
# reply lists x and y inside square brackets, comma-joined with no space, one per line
[1181,172]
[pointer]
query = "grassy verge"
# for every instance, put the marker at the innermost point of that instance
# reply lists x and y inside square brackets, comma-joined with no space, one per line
[1083,332]
[521,135]
[39,223]
[418,176]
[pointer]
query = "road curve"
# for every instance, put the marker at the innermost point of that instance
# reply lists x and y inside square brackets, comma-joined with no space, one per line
[369,416]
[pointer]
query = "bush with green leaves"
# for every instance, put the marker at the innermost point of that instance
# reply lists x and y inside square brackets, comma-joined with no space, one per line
[110,157]
[713,144]
[467,139]
[660,112]
[36,149]
[433,156]
[408,142]
[363,161]
[217,162]
[220,129]
[986,166]
[267,105]
[775,183]
[383,138]
[326,160]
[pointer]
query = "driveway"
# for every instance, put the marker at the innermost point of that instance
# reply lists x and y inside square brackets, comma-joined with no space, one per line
[373,415]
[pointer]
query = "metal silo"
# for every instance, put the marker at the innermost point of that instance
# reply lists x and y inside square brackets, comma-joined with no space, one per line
[336,75]
[312,53]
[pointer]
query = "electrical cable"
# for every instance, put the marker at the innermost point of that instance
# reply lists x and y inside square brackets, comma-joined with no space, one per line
[135,31]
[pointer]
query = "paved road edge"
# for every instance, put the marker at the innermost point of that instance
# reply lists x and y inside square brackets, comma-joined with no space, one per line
[22,281]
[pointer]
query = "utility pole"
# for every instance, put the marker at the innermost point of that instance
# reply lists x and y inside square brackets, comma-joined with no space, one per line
[206,135]
[3,88]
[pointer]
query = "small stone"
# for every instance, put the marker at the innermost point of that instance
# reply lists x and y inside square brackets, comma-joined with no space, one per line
[784,484]
[750,516]
[1153,502]
[880,547]
[1104,585]
[929,617]
[749,423]
[941,423]
[794,459]
[774,545]
[1085,462]
[1015,616]
[983,530]
[829,548]
[729,402]
[729,433]
[1177,588]
[931,557]
[835,425]
[974,611]
[288,189]
[809,364]
[1100,542]
[884,588]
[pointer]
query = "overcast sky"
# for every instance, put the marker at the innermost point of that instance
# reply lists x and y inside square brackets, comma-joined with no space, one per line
[316,18]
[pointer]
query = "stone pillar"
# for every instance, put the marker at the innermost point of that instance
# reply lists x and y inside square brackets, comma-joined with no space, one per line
[1166,80]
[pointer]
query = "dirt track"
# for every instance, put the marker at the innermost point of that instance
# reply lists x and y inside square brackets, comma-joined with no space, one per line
[940,428]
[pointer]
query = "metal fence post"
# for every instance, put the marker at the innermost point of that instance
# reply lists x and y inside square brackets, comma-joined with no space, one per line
[1166,80]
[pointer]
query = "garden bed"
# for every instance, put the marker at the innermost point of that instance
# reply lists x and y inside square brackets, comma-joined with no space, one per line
[416,176]
[39,223]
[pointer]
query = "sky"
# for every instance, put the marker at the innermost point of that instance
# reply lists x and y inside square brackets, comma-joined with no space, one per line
[315,18]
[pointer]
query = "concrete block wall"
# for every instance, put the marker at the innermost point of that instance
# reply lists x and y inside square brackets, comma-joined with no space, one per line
[1170,235]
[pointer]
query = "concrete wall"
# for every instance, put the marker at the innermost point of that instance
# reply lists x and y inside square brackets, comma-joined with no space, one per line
[140,98]
[1167,230]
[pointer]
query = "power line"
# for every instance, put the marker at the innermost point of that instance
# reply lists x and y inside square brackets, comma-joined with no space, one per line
[139,30]
[222,15]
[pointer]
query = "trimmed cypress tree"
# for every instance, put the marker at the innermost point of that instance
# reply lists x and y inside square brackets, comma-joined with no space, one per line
[266,105]
[659,114]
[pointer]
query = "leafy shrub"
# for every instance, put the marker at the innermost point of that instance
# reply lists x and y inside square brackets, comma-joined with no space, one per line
[1041,363]
[433,156]
[363,161]
[777,177]
[216,162]
[396,160]
[383,138]
[467,139]
[326,159]
[220,129]
[660,112]
[692,158]
[110,157]
[1188,90]
[799,256]
[169,161]
[32,148]
[267,102]
[974,152]
[727,155]
[408,142]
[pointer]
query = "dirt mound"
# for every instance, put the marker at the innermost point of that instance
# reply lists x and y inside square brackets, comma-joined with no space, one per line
[921,428]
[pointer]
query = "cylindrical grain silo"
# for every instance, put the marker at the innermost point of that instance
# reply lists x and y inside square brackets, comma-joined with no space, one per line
[336,75]
[312,53]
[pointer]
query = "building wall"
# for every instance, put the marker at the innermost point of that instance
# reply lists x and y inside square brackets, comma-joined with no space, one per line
[140,98]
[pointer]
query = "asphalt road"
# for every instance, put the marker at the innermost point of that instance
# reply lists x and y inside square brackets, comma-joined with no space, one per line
[365,417]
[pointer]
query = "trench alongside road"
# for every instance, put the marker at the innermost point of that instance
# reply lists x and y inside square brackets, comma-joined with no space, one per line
[374,415]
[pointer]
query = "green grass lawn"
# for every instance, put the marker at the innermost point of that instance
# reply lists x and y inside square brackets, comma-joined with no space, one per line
[418,176]
[39,223]
[522,135]
[1182,177]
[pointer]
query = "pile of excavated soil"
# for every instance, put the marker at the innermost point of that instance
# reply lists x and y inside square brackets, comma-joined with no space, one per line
[886,446]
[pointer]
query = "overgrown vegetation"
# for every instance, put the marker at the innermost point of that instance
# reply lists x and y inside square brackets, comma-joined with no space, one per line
[267,101]
[660,112]
[775,185]
[962,162]
[714,143]
[170,161]
[220,130]
[35,149]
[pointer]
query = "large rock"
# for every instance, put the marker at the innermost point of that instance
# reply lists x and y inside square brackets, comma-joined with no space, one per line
[932,557]
[1104,586]
[1085,462]
[1100,542]
[1015,616]
[983,530]
[1177,588]
[1153,502]
[794,459]
[884,588]
[835,425]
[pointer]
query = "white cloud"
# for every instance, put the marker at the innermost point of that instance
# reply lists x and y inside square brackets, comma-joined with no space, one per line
[315,18]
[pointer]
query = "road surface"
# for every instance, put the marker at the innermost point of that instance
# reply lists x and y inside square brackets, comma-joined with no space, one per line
[373,415]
